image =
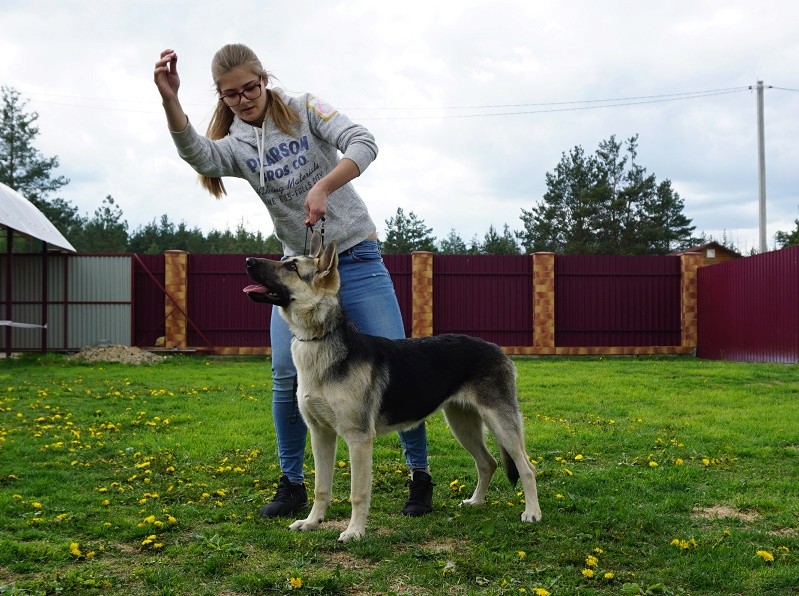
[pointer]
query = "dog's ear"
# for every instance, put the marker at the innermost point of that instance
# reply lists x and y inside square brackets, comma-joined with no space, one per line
[316,245]
[328,262]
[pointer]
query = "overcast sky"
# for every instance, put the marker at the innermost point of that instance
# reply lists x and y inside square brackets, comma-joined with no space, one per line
[472,103]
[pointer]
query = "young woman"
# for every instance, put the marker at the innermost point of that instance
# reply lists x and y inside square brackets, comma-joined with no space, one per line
[287,147]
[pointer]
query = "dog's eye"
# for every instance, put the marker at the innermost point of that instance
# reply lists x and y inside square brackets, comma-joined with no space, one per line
[291,266]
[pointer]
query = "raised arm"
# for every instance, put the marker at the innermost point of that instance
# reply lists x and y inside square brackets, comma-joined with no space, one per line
[168,82]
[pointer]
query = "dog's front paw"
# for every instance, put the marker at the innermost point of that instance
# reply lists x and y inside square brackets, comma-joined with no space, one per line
[471,502]
[531,516]
[351,534]
[305,525]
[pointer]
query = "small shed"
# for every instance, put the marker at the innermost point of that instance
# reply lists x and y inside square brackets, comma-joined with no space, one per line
[19,216]
[712,253]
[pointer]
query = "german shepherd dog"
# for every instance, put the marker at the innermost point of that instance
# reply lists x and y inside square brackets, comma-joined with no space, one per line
[359,386]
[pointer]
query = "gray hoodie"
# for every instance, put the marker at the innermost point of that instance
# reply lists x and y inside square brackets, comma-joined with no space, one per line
[282,168]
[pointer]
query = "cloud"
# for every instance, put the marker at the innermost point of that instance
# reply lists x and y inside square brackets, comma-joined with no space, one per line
[430,80]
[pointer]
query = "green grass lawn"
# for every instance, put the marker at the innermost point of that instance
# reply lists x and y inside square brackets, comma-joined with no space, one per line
[671,475]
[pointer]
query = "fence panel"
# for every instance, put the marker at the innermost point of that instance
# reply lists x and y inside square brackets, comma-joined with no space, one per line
[617,301]
[485,296]
[400,269]
[748,309]
[148,300]
[88,300]
[217,306]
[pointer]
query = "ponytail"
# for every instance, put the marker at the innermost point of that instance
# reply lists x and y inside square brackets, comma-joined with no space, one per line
[218,128]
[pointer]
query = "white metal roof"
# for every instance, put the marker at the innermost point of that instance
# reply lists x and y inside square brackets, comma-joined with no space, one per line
[21,215]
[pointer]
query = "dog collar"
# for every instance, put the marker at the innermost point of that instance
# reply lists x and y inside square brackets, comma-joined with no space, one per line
[324,335]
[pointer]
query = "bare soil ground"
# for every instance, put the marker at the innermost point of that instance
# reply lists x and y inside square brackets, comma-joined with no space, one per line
[116,353]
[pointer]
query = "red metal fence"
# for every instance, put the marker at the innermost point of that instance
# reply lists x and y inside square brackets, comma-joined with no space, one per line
[749,309]
[617,301]
[599,301]
[484,296]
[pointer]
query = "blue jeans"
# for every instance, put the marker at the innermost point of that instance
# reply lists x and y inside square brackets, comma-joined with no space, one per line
[367,295]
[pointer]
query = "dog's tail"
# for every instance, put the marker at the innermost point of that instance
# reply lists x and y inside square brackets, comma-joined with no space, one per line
[510,466]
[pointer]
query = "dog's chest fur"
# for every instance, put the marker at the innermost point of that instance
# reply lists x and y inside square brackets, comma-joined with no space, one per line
[327,399]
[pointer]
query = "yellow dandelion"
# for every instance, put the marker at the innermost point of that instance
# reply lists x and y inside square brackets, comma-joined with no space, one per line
[608,575]
[568,472]
[588,573]
[74,548]
[653,464]
[521,554]
[679,461]
[295,583]
[90,555]
[541,592]
[766,556]
[591,561]
[36,505]
[106,503]
[578,457]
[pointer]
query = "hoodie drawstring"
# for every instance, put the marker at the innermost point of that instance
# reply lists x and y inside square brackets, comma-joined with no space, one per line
[260,141]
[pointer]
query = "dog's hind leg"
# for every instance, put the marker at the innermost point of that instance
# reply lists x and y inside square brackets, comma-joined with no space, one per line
[323,443]
[466,424]
[361,449]
[506,425]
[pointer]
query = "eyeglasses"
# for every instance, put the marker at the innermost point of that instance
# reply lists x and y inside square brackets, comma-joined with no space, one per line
[250,92]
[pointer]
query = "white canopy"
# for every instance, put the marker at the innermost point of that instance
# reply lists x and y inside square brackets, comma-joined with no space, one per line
[21,215]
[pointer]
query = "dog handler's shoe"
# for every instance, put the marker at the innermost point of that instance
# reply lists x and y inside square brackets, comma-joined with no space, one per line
[288,500]
[420,500]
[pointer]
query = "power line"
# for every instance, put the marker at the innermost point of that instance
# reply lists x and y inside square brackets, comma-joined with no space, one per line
[664,96]
[78,101]
[618,103]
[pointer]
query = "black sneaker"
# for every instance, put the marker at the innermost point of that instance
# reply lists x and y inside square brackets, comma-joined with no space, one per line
[420,500]
[288,499]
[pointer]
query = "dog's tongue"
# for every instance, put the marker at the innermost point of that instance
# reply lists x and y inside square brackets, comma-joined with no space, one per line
[255,289]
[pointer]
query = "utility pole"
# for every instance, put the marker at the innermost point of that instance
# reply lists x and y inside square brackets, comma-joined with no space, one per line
[761,166]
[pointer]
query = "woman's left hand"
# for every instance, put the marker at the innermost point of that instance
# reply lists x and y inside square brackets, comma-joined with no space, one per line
[316,199]
[315,204]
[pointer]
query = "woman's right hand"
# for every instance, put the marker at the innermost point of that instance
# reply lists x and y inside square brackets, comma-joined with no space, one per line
[166,75]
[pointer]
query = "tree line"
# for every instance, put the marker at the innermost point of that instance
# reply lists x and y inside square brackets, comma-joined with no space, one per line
[600,203]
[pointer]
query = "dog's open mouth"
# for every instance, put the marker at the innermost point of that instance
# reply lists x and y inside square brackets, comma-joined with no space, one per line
[260,293]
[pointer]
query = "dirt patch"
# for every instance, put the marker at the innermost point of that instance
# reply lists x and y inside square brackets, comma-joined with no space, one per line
[116,353]
[784,533]
[724,512]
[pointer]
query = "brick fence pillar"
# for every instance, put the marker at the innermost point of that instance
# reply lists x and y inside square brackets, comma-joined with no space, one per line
[422,294]
[544,300]
[175,301]
[689,266]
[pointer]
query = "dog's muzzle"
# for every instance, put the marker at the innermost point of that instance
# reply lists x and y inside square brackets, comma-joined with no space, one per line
[258,292]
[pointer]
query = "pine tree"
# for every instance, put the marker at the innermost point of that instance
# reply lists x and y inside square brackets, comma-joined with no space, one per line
[606,203]
[453,244]
[496,244]
[406,234]
[26,170]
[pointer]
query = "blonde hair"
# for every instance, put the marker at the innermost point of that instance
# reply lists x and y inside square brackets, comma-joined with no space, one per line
[226,59]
